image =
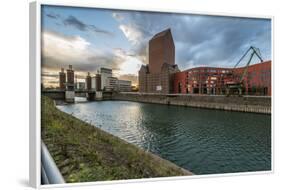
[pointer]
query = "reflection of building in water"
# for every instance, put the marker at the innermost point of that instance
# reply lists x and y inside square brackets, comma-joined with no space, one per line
[157,76]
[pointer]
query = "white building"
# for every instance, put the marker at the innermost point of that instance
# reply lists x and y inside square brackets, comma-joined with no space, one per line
[111,84]
[105,73]
[124,86]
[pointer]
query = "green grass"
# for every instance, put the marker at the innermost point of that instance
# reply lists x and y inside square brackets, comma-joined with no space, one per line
[84,153]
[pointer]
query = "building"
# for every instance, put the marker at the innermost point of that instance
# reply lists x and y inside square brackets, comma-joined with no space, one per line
[62,79]
[258,78]
[105,73]
[157,76]
[70,78]
[124,86]
[88,82]
[96,83]
[80,85]
[201,80]
[111,84]
[212,80]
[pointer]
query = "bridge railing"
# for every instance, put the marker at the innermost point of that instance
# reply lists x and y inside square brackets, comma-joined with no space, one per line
[50,173]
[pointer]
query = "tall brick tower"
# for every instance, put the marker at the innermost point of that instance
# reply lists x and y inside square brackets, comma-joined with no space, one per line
[161,50]
[88,81]
[157,76]
[70,78]
[62,79]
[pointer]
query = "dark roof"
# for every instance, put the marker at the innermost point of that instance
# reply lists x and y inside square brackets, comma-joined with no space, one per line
[163,33]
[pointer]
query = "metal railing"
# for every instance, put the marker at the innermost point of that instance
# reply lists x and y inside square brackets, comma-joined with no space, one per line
[50,173]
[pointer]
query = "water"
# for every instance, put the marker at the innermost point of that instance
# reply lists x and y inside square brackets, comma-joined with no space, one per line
[200,140]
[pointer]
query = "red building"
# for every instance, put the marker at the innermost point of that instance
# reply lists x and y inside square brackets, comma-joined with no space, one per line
[157,75]
[211,80]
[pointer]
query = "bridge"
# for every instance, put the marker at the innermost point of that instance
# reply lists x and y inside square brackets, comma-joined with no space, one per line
[69,96]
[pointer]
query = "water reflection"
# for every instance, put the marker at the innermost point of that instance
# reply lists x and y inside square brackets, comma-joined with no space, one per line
[202,141]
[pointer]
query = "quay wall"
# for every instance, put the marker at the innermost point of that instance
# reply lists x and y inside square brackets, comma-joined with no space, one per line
[253,104]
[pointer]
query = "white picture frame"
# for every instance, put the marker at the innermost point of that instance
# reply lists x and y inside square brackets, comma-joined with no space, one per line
[35,94]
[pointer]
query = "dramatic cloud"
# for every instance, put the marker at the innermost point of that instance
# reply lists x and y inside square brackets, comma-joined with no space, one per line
[132,33]
[59,51]
[76,23]
[199,40]
[73,21]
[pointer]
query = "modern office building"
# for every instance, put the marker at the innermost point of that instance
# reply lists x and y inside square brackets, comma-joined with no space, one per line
[111,84]
[104,73]
[157,76]
[124,86]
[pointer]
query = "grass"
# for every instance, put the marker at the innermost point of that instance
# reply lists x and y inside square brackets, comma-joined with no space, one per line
[84,153]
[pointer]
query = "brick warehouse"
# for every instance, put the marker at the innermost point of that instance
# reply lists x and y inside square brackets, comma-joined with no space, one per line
[211,80]
[157,76]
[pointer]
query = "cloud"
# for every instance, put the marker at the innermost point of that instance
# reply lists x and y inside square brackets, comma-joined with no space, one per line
[73,21]
[59,51]
[53,16]
[132,33]
[78,24]
[199,40]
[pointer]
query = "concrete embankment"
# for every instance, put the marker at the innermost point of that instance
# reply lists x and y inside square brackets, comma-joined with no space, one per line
[84,153]
[254,104]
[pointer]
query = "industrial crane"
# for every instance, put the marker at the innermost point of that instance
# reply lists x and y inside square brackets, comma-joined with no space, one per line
[233,82]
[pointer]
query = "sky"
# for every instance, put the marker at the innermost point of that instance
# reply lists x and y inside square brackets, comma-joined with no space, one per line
[91,38]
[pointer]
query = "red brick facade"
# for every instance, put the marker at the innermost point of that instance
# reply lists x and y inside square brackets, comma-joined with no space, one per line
[62,79]
[211,80]
[157,76]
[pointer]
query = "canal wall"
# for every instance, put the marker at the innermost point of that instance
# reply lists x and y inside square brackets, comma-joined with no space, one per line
[253,104]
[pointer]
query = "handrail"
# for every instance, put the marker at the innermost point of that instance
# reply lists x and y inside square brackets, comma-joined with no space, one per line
[50,173]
